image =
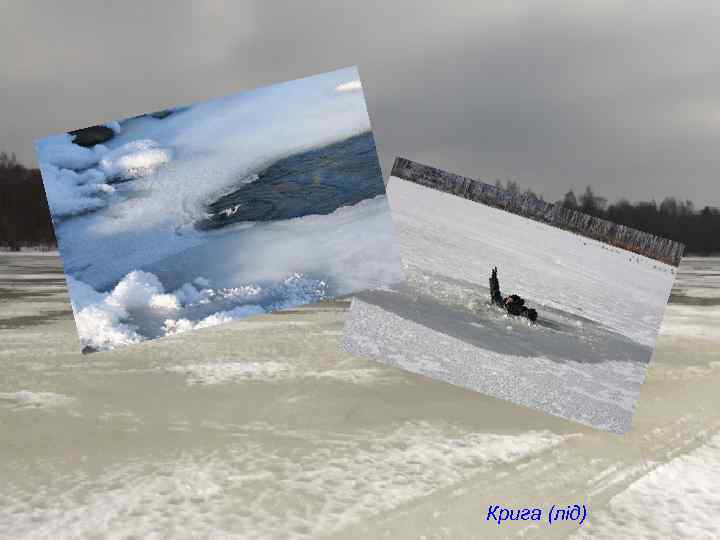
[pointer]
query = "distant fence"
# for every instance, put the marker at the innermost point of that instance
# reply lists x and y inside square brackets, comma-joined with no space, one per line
[655,247]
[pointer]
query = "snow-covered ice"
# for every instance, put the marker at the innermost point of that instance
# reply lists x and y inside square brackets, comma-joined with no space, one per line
[263,428]
[677,499]
[26,399]
[600,309]
[129,213]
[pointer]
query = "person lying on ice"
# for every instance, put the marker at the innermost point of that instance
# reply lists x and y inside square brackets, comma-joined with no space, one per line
[513,304]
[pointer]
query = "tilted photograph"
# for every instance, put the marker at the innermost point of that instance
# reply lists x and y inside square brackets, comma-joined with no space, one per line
[518,298]
[192,216]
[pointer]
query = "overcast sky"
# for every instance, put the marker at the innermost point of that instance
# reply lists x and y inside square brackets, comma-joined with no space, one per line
[624,96]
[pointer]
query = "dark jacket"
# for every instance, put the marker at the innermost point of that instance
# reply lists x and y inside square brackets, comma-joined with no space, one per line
[513,304]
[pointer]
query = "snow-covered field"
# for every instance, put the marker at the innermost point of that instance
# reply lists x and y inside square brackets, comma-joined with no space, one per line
[600,309]
[262,428]
[126,213]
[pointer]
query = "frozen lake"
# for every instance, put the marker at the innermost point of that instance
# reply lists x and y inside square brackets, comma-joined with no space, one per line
[262,429]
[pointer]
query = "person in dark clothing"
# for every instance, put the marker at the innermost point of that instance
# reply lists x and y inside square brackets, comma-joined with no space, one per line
[513,304]
[495,295]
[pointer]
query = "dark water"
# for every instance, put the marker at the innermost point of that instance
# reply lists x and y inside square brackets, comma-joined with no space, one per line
[315,182]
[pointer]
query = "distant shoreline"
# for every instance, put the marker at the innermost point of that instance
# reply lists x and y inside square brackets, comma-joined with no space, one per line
[628,238]
[53,251]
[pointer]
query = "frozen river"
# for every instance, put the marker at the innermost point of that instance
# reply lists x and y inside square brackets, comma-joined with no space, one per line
[262,429]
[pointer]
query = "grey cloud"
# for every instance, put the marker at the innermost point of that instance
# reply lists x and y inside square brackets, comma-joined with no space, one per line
[555,95]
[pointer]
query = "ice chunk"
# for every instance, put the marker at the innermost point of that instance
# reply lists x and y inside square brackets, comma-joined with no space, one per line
[100,327]
[99,322]
[138,307]
[60,151]
[102,318]
[182,325]
[70,193]
[137,289]
[134,160]
[165,301]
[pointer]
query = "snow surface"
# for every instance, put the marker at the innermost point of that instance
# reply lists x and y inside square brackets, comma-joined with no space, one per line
[70,193]
[621,290]
[225,372]
[695,305]
[676,500]
[264,430]
[115,126]
[26,399]
[125,214]
[600,309]
[599,394]
[306,494]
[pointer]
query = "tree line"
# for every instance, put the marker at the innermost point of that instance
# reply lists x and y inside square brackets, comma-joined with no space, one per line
[529,205]
[676,219]
[25,218]
[24,214]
